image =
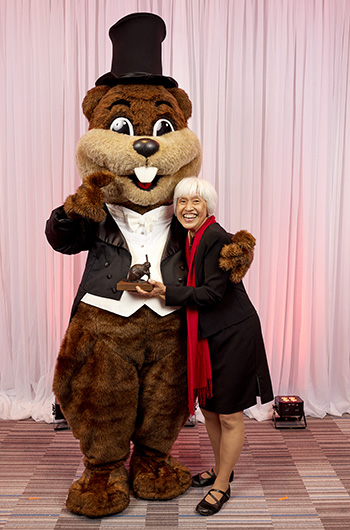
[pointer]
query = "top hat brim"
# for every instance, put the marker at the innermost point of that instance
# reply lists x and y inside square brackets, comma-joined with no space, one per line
[136,78]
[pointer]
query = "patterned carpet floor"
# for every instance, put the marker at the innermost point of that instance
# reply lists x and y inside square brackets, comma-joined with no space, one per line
[285,479]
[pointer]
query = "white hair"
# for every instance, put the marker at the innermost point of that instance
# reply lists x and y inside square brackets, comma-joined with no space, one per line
[192,186]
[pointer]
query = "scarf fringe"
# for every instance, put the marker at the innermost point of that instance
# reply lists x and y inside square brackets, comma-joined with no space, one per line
[204,393]
[200,394]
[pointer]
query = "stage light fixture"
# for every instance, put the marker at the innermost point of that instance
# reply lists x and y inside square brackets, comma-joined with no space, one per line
[288,412]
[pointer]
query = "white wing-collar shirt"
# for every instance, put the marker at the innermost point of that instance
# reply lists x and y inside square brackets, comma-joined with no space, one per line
[145,235]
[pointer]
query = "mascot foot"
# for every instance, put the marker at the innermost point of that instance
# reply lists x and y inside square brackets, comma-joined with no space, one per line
[158,477]
[102,490]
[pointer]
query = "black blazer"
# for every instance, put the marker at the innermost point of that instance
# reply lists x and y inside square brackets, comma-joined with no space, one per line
[220,302]
[109,258]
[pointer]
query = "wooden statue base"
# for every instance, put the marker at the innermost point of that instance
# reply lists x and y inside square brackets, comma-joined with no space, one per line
[131,286]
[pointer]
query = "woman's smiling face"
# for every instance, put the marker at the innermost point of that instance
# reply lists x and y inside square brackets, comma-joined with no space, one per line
[191,212]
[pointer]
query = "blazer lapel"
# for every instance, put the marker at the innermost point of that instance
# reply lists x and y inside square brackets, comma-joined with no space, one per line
[176,239]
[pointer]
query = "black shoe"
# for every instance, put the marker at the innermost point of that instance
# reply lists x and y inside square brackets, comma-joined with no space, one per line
[207,508]
[199,482]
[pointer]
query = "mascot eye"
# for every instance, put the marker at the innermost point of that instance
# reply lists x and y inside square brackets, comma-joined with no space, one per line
[123,126]
[162,127]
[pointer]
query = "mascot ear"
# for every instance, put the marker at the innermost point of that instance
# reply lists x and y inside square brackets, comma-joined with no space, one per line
[183,101]
[92,99]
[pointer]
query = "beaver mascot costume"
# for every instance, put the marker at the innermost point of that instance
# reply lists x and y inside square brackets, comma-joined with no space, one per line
[120,376]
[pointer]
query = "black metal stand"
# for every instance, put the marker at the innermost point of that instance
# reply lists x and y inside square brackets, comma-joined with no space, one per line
[60,421]
[288,422]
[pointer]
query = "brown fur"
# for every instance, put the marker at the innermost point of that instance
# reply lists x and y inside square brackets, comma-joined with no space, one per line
[238,256]
[142,104]
[88,200]
[143,470]
[99,491]
[104,359]
[103,363]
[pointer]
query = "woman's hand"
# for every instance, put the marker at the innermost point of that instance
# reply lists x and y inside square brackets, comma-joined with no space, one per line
[159,289]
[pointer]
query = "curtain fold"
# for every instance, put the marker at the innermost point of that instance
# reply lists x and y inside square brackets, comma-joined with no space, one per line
[269,82]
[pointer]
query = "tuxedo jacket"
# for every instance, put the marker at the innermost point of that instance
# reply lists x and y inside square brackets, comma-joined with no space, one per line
[220,302]
[109,258]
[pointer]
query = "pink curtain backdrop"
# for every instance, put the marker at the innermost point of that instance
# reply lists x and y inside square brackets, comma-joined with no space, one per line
[270,86]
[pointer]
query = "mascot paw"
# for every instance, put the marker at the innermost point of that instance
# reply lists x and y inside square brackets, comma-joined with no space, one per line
[101,491]
[158,478]
[88,200]
[237,257]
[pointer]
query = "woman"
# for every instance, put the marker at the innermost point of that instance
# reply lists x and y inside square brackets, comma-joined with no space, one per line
[227,365]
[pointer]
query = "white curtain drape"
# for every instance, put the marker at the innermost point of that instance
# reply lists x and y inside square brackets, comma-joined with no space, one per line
[270,86]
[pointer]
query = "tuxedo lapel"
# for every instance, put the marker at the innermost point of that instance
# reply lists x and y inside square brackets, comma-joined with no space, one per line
[109,232]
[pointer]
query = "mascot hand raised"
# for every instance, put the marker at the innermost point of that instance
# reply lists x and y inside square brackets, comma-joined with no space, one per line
[88,200]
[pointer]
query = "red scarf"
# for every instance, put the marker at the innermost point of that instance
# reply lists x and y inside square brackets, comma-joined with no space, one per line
[199,377]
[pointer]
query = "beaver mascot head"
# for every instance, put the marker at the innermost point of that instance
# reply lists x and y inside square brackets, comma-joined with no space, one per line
[138,145]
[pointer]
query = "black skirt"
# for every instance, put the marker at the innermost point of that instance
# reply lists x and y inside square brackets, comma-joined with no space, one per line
[239,368]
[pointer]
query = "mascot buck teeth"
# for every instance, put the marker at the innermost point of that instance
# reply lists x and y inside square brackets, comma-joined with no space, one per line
[121,371]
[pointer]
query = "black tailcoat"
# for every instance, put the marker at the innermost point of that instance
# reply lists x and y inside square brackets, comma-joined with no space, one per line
[109,258]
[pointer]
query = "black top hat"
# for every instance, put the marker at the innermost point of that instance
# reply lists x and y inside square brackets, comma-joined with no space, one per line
[137,57]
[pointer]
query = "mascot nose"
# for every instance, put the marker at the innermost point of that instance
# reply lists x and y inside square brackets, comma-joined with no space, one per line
[146,147]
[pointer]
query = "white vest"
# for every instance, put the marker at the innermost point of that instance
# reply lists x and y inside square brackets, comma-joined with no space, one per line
[145,235]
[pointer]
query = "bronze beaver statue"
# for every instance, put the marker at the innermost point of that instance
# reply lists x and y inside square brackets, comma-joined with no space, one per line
[138,270]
